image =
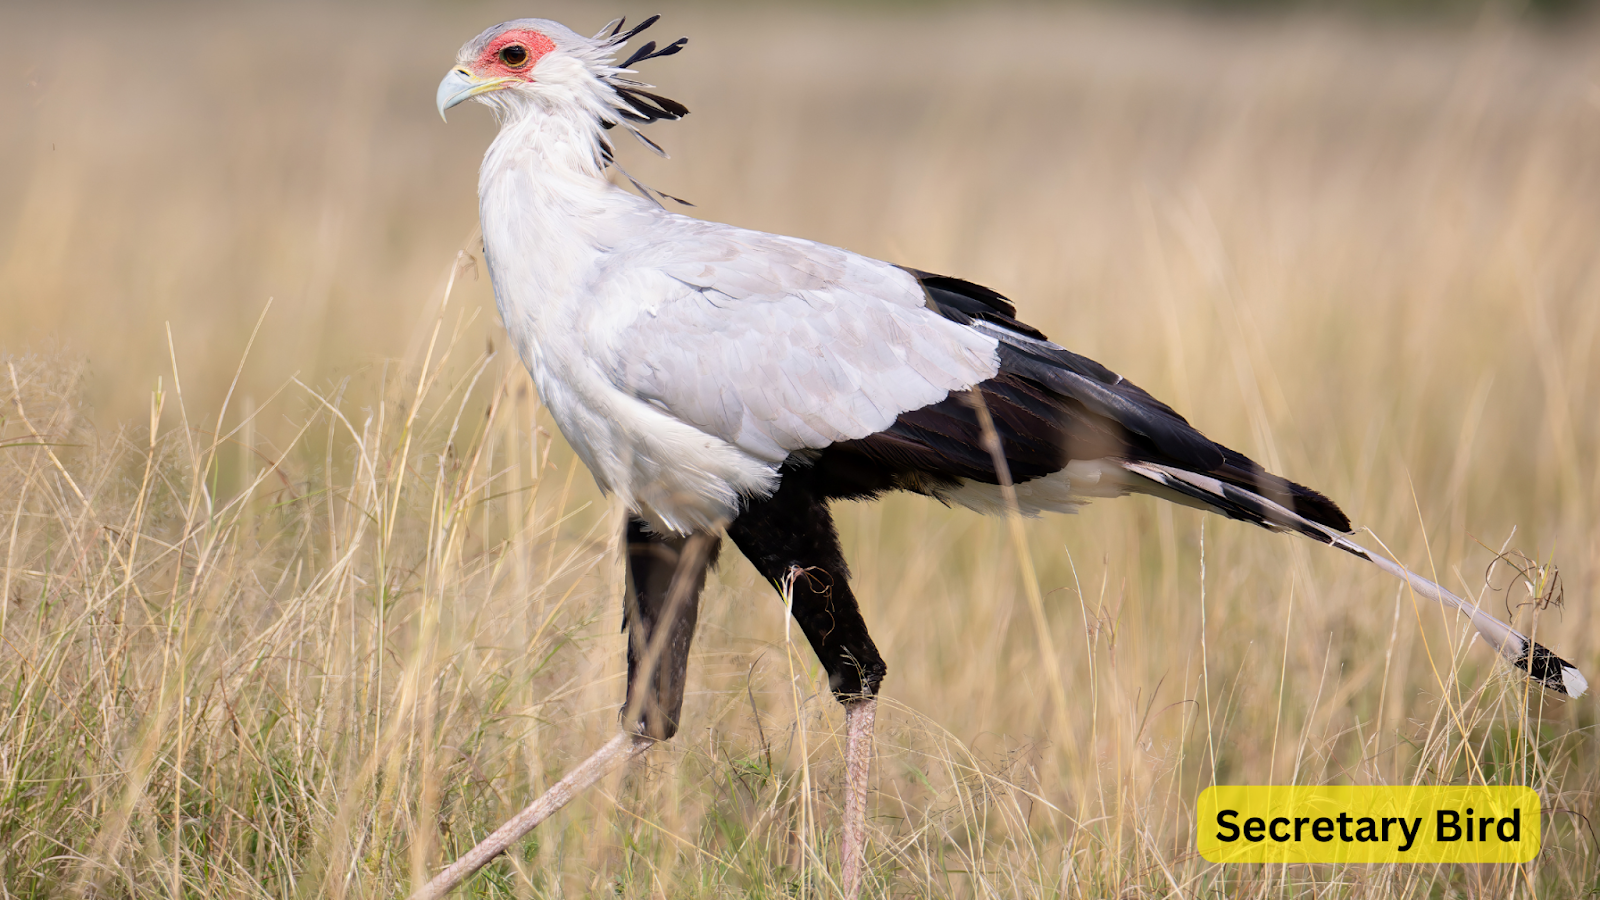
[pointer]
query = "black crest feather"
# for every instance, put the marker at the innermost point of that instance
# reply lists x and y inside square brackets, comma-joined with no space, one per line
[617,27]
[648,51]
[648,107]
[639,106]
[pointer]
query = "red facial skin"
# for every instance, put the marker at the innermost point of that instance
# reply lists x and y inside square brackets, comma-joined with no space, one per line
[489,64]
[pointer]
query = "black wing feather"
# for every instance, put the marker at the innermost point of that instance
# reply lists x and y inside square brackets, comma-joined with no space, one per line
[1049,407]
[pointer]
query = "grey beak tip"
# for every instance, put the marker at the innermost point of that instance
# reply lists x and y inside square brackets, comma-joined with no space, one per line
[456,87]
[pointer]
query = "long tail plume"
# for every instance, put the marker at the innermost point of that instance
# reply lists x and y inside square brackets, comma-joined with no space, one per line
[1533,658]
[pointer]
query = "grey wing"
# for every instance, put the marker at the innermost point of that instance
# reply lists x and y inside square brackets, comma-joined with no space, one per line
[777,344]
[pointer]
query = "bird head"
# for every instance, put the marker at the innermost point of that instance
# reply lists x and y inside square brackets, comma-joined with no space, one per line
[532,66]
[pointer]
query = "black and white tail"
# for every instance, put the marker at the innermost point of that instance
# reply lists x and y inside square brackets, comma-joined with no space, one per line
[1239,502]
[1071,429]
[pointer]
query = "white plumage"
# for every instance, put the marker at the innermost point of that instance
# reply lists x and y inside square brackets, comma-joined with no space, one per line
[687,360]
[650,335]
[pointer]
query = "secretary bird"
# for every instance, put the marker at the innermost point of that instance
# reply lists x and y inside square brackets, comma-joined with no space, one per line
[716,378]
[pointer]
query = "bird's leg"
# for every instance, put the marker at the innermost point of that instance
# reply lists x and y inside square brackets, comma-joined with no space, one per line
[791,540]
[618,749]
[858,719]
[665,577]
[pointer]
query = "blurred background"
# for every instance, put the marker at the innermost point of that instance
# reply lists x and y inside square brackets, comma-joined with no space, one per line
[183,164]
[1355,240]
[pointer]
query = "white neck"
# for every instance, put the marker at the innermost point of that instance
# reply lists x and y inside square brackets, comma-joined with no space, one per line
[544,203]
[561,131]
[549,217]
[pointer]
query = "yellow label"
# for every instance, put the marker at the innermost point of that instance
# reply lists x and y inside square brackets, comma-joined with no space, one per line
[1368,824]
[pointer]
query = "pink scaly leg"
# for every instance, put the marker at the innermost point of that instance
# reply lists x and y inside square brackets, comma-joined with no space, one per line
[858,721]
[622,747]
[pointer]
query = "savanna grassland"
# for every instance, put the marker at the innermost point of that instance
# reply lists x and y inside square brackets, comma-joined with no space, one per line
[303,594]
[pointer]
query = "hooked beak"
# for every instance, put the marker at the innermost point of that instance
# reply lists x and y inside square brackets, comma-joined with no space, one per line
[461,85]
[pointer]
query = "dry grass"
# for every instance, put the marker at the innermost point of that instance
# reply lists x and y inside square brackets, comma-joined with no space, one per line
[272,636]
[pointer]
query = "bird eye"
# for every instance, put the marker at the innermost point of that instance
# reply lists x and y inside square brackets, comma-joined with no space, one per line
[514,55]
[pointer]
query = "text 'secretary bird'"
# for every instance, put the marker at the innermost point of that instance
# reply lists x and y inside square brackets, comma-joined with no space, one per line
[716,378]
